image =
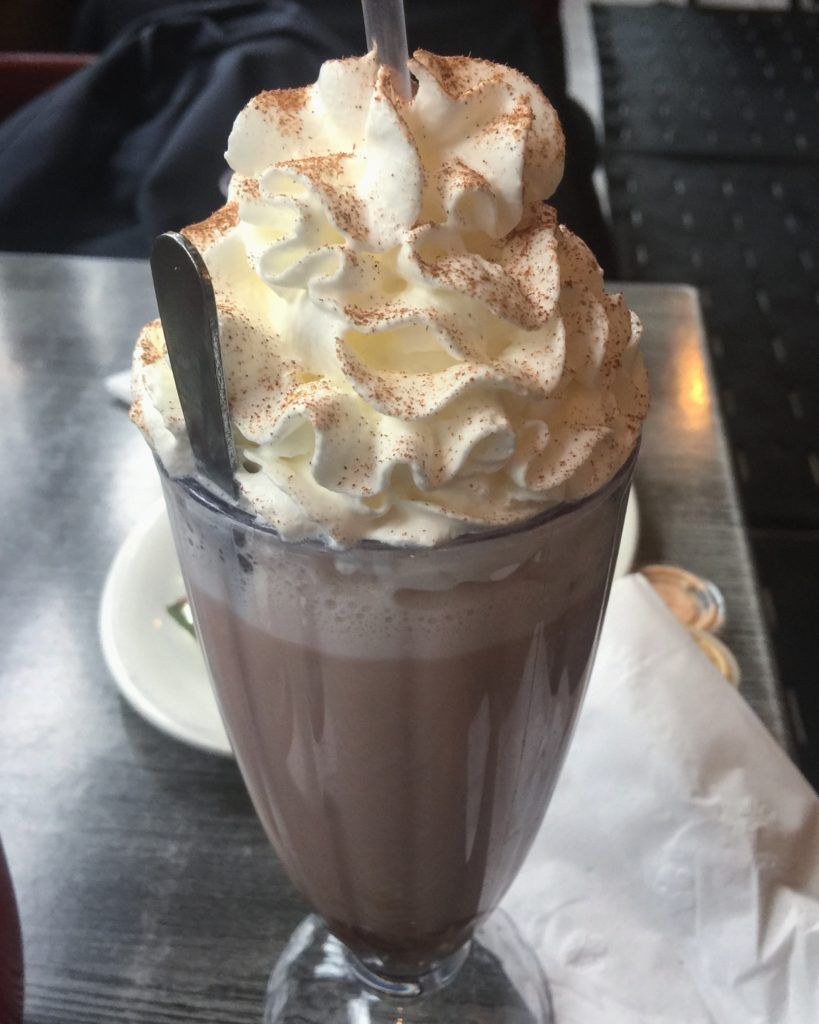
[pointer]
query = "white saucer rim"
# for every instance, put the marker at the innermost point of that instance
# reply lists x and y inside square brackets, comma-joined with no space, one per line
[132,693]
[629,541]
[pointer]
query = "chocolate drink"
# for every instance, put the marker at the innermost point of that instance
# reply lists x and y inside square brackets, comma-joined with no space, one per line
[435,407]
[400,716]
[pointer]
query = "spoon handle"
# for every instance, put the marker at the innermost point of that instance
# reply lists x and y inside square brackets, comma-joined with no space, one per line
[187,308]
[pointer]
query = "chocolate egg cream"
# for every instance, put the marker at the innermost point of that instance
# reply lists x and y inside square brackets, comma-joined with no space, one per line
[436,408]
[400,714]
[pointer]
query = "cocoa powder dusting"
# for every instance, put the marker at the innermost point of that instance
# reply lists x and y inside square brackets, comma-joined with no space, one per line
[149,353]
[248,188]
[283,105]
[136,413]
[208,231]
[456,75]
[342,203]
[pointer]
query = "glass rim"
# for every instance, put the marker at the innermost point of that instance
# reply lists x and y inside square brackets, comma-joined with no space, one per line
[213,503]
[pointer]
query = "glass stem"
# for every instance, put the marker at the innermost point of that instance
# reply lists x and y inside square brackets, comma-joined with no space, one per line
[435,977]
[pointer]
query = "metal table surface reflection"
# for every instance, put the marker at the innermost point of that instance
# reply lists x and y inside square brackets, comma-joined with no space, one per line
[147,889]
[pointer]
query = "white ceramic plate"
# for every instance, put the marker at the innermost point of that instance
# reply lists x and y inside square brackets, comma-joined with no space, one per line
[630,537]
[157,665]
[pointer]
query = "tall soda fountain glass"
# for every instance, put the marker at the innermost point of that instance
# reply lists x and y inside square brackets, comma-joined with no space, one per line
[430,416]
[400,717]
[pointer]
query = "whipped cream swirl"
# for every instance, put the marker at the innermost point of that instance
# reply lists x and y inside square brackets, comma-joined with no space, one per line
[413,346]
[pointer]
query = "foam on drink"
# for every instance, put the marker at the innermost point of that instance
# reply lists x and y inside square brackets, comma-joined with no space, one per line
[417,354]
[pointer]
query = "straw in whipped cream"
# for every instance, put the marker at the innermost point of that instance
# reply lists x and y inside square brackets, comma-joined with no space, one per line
[387,35]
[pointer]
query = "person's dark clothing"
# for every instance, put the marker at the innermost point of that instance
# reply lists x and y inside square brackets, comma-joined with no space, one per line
[133,145]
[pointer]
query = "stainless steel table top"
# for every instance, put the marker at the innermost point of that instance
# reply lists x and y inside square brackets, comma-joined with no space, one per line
[147,889]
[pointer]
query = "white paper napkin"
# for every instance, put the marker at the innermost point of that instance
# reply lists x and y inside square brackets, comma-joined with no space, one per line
[676,877]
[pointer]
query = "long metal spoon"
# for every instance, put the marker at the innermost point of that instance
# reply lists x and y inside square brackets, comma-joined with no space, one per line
[187,308]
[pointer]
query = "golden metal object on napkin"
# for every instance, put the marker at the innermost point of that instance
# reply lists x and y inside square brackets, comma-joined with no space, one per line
[718,654]
[698,603]
[700,607]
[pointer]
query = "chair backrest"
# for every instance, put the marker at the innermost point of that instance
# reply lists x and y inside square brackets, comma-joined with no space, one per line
[24,75]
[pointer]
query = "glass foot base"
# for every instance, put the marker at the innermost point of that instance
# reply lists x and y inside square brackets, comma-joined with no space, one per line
[497,978]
